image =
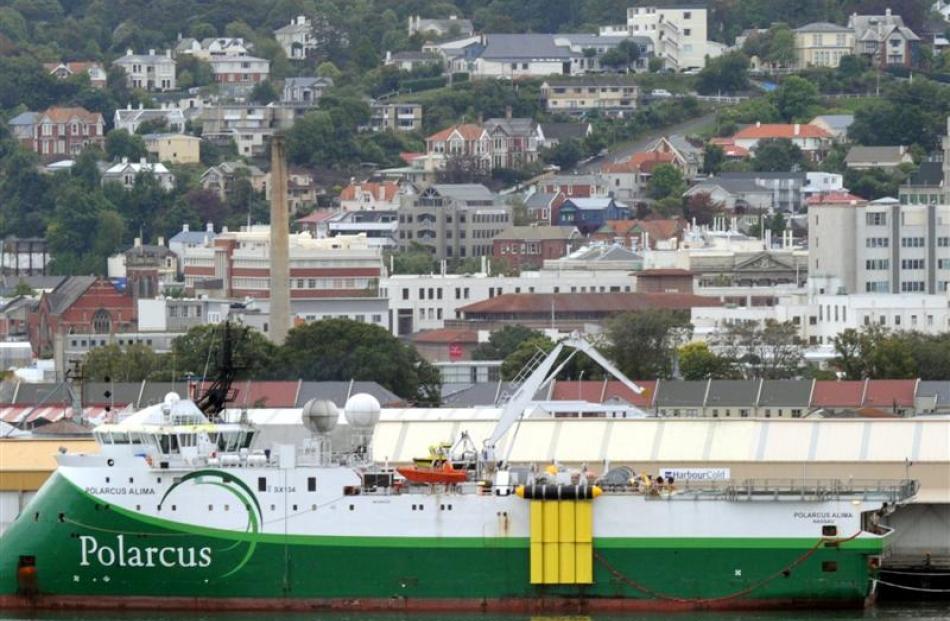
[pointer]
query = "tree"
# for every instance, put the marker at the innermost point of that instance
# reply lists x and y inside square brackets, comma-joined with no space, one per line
[781,47]
[702,208]
[197,352]
[770,351]
[264,92]
[417,259]
[120,143]
[713,158]
[778,155]
[153,126]
[342,349]
[134,363]
[796,99]
[329,70]
[667,180]
[874,353]
[698,362]
[462,169]
[643,344]
[725,74]
[503,342]
[23,288]
[565,154]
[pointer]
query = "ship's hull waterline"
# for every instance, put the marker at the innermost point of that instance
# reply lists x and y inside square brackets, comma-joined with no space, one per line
[81,552]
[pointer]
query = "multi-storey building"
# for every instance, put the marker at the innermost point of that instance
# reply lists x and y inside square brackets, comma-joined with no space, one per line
[297,38]
[152,72]
[60,133]
[212,47]
[612,95]
[402,117]
[822,44]
[130,119]
[236,264]
[239,70]
[304,92]
[249,126]
[512,142]
[880,246]
[678,34]
[453,221]
[884,39]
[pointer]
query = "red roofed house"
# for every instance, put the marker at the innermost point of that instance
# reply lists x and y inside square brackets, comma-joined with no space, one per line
[811,139]
[730,150]
[530,246]
[640,233]
[370,196]
[604,391]
[880,397]
[62,133]
[465,140]
[628,179]
[65,70]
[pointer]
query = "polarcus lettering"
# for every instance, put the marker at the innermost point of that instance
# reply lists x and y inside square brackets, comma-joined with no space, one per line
[121,555]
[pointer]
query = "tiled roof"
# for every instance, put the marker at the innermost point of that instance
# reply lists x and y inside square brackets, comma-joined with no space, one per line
[781,130]
[838,394]
[468,131]
[830,198]
[883,393]
[600,391]
[524,46]
[389,190]
[586,302]
[64,115]
[537,233]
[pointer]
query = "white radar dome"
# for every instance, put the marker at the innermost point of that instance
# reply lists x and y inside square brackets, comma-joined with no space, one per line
[362,411]
[320,416]
[171,398]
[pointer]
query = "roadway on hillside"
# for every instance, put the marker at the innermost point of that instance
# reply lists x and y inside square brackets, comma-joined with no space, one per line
[624,150]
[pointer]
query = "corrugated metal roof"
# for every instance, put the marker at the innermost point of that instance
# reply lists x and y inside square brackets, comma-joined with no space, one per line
[681,394]
[785,393]
[586,302]
[732,393]
[838,394]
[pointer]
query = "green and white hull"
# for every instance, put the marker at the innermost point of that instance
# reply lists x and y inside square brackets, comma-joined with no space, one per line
[100,535]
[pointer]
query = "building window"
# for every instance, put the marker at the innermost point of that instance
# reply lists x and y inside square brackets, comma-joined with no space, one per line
[875,218]
[102,322]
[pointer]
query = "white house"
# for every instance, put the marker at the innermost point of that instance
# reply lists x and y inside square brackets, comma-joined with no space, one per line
[130,119]
[126,172]
[297,38]
[679,33]
[152,72]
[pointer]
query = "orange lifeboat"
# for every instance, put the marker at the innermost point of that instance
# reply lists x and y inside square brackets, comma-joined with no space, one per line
[436,475]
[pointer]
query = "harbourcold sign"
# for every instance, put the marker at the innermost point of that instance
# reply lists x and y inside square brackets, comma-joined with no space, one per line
[697,474]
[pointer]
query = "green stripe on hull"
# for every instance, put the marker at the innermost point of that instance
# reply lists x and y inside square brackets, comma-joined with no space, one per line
[94,550]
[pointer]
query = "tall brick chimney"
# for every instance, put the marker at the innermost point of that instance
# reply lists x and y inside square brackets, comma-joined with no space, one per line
[279,244]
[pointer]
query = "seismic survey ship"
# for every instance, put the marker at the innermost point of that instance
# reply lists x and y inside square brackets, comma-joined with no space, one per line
[182,510]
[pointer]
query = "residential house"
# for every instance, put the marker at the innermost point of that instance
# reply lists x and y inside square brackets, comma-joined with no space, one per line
[641,234]
[628,179]
[393,116]
[249,126]
[822,44]
[736,195]
[453,26]
[687,155]
[151,72]
[552,134]
[212,47]
[174,148]
[884,39]
[610,95]
[512,142]
[541,206]
[410,60]
[589,214]
[590,49]
[220,179]
[370,196]
[23,127]
[297,38]
[575,186]
[125,174]
[304,92]
[62,133]
[377,227]
[130,119]
[812,140]
[788,188]
[730,151]
[454,221]
[888,158]
[64,70]
[186,240]
[925,185]
[302,189]
[240,72]
[679,34]
[466,140]
[835,124]
[528,247]
[516,56]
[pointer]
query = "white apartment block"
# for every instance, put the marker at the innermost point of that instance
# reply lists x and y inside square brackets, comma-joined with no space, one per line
[425,301]
[152,72]
[881,246]
[679,34]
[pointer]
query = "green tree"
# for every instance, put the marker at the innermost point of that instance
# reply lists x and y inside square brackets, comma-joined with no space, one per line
[264,93]
[565,155]
[667,180]
[796,99]
[778,155]
[120,143]
[503,342]
[329,70]
[713,158]
[770,351]
[23,288]
[698,362]
[198,352]
[643,344]
[781,46]
[417,259]
[725,74]
[874,353]
[133,363]
[341,350]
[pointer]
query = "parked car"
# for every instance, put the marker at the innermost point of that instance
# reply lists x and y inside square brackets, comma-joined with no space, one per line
[660,93]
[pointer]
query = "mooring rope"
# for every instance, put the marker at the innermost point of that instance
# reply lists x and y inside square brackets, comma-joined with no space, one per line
[910,588]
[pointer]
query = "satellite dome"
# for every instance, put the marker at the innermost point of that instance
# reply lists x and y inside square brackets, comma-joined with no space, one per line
[320,416]
[171,398]
[362,411]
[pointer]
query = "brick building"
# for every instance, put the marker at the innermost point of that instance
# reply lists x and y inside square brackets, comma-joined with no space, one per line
[529,246]
[62,133]
[92,307]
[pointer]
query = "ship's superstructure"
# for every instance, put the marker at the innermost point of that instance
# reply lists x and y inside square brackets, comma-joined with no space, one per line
[183,510]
